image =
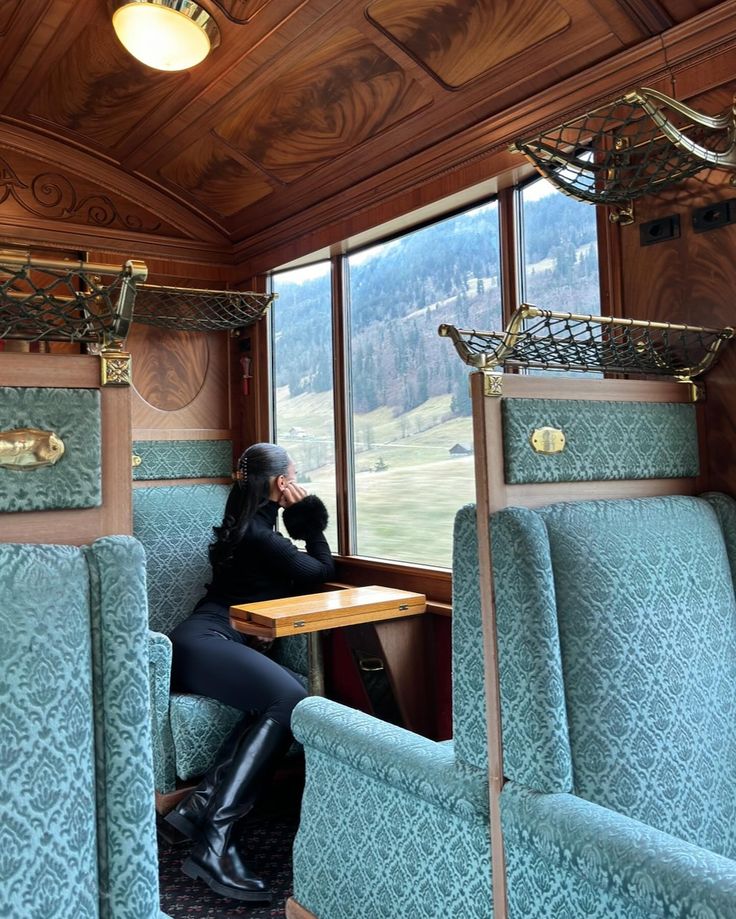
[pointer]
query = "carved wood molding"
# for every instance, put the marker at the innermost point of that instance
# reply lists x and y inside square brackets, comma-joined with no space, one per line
[178,219]
[52,195]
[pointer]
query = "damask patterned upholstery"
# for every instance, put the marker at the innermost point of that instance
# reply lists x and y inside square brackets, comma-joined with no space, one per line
[198,728]
[567,857]
[468,693]
[77,831]
[605,440]
[183,459]
[617,653]
[174,524]
[394,825]
[76,479]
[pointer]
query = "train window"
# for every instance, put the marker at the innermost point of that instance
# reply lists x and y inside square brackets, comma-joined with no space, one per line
[405,432]
[559,254]
[411,425]
[304,421]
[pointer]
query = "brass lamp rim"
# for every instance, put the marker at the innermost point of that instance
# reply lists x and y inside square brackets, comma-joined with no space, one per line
[187,8]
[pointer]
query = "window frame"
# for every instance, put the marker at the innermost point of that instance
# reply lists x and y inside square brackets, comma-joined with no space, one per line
[356,569]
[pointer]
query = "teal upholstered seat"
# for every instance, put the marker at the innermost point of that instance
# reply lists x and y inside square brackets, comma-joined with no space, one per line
[394,825]
[617,657]
[174,523]
[77,830]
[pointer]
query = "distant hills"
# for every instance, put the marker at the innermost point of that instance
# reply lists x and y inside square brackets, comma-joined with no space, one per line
[402,290]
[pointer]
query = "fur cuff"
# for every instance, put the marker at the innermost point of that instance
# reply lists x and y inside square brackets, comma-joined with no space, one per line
[305,517]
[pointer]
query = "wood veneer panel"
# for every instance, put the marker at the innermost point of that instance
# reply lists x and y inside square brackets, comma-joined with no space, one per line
[474,153]
[8,11]
[241,11]
[434,583]
[486,434]
[336,98]
[691,279]
[295,910]
[458,41]
[47,369]
[344,144]
[406,645]
[681,10]
[98,90]
[217,177]
[180,380]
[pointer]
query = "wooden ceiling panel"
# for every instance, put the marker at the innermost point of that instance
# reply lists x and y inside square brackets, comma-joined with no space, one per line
[8,11]
[321,109]
[214,177]
[460,40]
[336,99]
[241,11]
[682,10]
[98,90]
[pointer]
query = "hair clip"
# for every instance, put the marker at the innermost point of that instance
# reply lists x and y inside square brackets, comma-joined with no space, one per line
[241,473]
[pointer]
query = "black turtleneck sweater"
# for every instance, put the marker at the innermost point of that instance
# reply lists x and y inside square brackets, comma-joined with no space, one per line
[267,565]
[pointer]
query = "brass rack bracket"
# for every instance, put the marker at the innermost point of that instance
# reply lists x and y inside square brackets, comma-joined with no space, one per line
[493,385]
[115,368]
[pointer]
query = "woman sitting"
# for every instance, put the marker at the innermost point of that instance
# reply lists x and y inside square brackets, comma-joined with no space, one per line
[250,562]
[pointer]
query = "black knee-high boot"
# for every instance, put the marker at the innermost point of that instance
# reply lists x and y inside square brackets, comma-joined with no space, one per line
[185,817]
[214,858]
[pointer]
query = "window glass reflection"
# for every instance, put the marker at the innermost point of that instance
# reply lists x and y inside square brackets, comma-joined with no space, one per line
[304,420]
[412,433]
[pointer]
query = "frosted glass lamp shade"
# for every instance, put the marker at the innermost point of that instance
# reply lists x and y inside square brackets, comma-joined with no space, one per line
[165,34]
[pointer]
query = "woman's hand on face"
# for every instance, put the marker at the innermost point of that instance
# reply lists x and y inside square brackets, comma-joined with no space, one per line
[292,494]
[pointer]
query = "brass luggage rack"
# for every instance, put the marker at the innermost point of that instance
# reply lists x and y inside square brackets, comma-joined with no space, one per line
[635,145]
[548,340]
[56,300]
[62,300]
[190,309]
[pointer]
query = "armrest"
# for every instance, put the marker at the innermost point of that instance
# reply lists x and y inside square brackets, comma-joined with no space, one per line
[159,681]
[661,875]
[159,669]
[391,754]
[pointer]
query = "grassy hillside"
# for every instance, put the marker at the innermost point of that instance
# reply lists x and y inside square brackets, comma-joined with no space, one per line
[408,485]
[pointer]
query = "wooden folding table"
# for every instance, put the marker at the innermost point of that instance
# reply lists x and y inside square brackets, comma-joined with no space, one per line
[313,613]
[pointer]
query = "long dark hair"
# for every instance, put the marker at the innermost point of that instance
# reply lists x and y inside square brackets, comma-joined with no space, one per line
[256,467]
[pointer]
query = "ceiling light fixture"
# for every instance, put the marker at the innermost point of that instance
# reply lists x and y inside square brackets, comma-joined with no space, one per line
[165,34]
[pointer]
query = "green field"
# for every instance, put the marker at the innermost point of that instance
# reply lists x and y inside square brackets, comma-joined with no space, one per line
[408,485]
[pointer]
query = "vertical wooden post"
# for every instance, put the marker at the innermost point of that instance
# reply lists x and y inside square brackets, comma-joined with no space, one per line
[343,421]
[487,424]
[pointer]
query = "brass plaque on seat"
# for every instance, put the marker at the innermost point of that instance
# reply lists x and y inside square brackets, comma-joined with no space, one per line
[29,448]
[547,440]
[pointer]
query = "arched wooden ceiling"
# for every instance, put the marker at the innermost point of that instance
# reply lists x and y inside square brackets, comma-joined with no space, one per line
[306,107]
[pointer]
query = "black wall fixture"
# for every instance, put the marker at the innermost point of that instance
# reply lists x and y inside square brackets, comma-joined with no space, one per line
[659,230]
[712,216]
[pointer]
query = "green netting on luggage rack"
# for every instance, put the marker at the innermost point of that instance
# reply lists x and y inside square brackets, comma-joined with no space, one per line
[548,340]
[636,145]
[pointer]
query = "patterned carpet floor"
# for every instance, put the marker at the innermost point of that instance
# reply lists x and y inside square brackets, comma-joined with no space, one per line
[265,841]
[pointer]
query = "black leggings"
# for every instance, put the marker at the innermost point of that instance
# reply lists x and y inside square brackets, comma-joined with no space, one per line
[212,659]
